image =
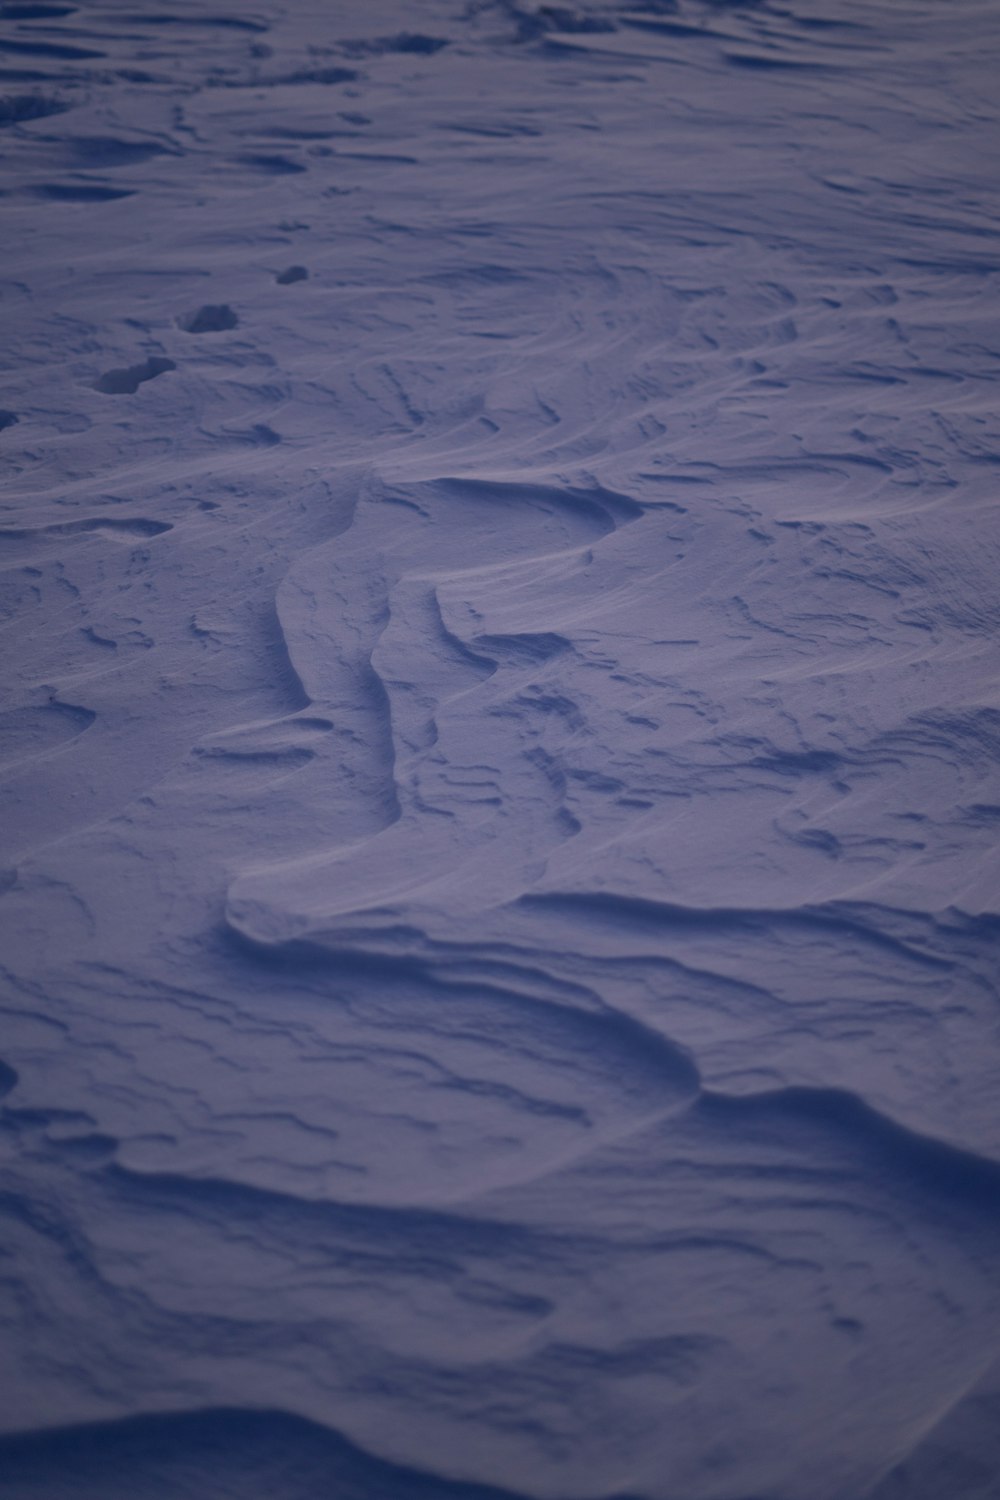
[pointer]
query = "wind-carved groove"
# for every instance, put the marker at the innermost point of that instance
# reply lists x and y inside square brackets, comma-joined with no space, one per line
[285,675]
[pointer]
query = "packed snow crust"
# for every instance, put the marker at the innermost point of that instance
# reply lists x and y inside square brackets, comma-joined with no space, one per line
[500,793]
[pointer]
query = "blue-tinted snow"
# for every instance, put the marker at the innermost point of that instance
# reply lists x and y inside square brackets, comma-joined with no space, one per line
[499,750]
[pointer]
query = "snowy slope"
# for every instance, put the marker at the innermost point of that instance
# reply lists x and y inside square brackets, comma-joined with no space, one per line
[499,750]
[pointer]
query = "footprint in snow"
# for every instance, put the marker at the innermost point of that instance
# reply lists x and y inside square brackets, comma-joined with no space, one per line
[212,318]
[125,382]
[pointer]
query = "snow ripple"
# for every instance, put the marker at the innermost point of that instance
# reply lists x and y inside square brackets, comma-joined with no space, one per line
[501,893]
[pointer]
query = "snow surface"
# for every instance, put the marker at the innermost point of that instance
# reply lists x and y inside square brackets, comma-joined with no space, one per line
[500,737]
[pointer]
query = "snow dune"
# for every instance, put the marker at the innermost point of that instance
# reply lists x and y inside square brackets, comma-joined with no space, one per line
[499,751]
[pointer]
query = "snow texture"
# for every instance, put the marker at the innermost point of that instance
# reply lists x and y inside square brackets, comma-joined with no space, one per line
[500,736]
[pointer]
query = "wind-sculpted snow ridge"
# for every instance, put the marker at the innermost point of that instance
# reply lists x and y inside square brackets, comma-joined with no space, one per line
[499,751]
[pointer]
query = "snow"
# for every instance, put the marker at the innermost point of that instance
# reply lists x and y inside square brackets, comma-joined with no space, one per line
[499,751]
